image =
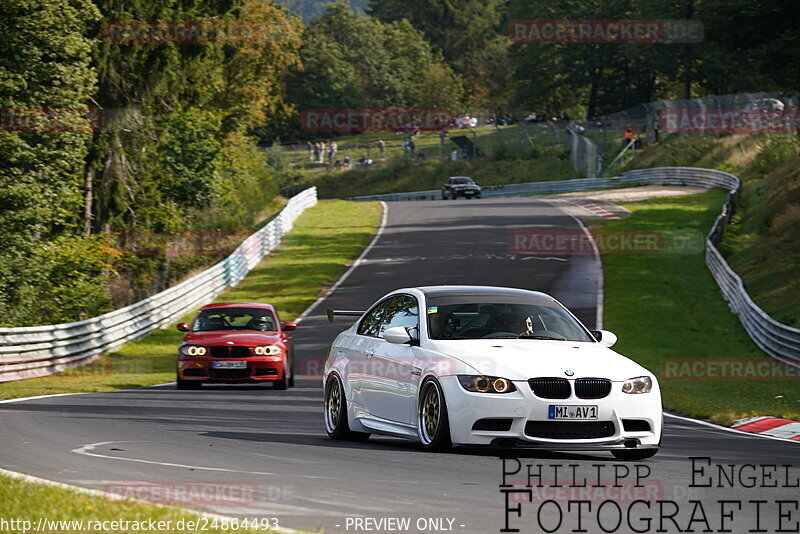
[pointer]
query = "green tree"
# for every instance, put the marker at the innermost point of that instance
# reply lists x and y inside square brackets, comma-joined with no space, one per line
[466,33]
[45,69]
[352,60]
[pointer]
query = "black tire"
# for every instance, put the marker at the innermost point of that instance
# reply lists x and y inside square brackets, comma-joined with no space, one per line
[433,424]
[335,413]
[281,384]
[634,454]
[291,377]
[187,384]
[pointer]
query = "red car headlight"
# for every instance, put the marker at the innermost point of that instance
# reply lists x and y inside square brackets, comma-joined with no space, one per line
[193,350]
[268,350]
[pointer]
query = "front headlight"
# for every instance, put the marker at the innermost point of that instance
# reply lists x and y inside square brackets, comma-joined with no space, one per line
[486,384]
[193,350]
[640,384]
[267,350]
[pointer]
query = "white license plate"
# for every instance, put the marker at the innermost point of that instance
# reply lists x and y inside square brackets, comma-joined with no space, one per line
[229,365]
[563,411]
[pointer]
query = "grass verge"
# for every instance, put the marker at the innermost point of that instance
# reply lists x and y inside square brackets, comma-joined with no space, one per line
[667,308]
[762,242]
[323,241]
[30,501]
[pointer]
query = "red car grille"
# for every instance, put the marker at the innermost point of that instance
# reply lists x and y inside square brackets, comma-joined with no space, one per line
[230,352]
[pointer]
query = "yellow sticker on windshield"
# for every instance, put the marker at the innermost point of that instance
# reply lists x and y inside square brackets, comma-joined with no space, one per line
[433,309]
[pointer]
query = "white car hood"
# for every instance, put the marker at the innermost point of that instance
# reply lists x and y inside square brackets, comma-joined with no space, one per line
[521,359]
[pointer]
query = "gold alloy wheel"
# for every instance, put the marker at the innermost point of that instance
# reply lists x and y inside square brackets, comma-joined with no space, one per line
[430,413]
[333,405]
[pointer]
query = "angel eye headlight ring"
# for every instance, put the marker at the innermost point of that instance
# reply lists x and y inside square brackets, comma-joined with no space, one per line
[194,350]
[267,350]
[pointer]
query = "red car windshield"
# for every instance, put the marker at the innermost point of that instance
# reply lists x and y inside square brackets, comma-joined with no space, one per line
[235,319]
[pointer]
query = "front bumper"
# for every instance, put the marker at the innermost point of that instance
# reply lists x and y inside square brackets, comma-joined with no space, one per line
[467,193]
[522,407]
[258,369]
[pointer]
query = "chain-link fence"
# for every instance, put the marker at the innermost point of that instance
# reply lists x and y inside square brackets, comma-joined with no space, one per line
[646,123]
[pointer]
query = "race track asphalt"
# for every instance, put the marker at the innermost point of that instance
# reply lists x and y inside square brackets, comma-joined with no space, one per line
[269,448]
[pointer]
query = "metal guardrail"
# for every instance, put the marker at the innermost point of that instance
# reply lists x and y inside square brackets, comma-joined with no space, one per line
[780,341]
[28,352]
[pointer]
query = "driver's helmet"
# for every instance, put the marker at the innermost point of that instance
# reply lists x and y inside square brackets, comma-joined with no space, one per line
[262,323]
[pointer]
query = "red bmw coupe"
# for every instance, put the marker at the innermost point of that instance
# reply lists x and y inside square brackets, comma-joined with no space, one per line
[233,343]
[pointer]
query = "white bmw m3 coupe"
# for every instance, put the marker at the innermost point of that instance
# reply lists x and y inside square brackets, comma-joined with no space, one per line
[478,365]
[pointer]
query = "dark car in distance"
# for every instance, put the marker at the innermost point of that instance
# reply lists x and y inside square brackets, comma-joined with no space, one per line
[460,186]
[236,342]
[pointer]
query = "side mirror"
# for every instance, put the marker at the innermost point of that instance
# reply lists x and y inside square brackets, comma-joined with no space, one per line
[182,327]
[606,338]
[289,326]
[397,335]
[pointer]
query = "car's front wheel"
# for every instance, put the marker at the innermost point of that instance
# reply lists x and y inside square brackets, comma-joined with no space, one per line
[283,383]
[336,424]
[433,424]
[634,454]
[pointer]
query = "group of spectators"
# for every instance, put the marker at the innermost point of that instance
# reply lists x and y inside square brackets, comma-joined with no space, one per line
[318,151]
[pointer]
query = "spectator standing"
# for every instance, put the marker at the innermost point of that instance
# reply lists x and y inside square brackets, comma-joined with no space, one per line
[332,148]
[310,148]
[628,136]
[382,148]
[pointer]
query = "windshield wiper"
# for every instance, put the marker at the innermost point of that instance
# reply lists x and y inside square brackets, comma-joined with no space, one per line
[529,336]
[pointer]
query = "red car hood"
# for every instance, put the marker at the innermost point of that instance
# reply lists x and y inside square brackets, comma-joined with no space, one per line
[238,337]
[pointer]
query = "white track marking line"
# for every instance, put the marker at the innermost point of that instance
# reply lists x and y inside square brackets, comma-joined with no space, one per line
[117,497]
[596,253]
[352,268]
[20,399]
[86,450]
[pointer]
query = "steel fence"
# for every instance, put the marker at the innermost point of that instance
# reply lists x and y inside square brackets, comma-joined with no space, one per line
[28,352]
[780,341]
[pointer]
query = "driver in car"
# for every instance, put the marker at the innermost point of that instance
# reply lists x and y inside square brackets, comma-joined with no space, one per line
[528,327]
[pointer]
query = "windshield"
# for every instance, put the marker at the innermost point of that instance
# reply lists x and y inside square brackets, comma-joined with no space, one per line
[496,319]
[235,319]
[461,181]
